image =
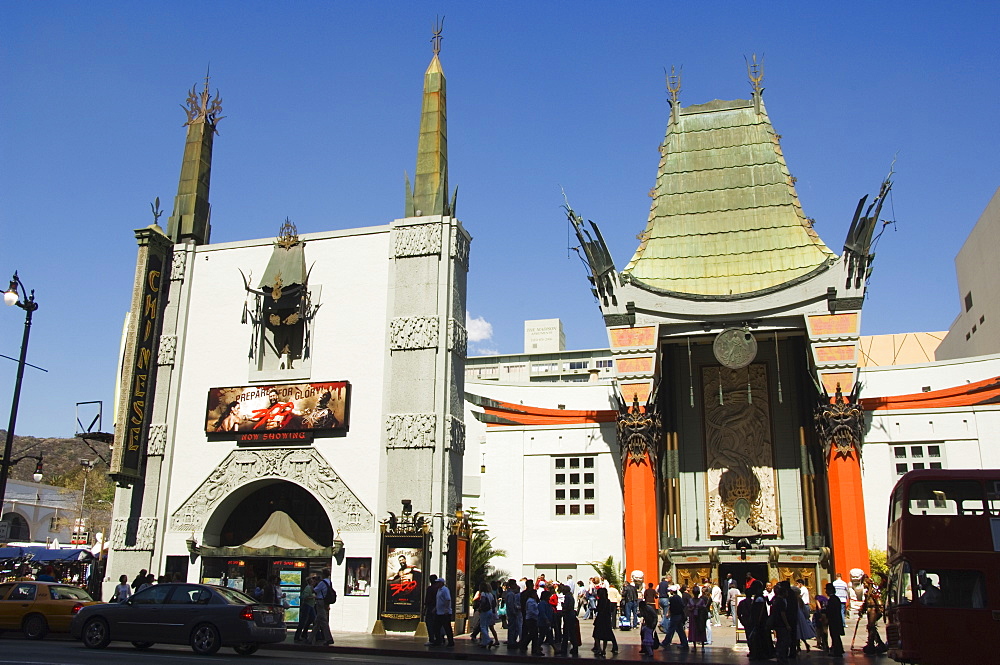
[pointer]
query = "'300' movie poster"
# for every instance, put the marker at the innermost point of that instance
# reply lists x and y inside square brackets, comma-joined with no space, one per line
[295,407]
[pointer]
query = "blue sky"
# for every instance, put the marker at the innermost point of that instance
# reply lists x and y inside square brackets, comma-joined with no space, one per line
[322,102]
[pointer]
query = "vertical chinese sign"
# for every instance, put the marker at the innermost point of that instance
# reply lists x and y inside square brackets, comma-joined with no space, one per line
[139,367]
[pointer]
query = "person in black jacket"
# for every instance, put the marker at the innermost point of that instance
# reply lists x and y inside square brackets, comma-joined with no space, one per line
[835,617]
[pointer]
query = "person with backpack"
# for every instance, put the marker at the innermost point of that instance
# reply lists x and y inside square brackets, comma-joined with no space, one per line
[326,596]
[487,615]
[630,596]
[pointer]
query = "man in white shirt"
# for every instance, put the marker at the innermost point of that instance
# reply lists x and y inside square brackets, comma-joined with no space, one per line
[716,603]
[804,590]
[733,598]
[841,587]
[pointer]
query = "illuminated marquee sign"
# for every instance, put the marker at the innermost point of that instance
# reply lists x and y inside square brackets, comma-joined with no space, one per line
[289,413]
[139,372]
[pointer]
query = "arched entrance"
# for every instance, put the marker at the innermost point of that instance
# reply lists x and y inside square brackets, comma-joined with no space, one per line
[18,528]
[250,514]
[270,532]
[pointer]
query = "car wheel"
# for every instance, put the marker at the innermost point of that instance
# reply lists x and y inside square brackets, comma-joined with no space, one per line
[246,649]
[143,645]
[205,639]
[35,627]
[96,634]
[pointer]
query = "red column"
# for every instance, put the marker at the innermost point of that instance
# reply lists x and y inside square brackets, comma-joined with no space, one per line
[847,513]
[641,533]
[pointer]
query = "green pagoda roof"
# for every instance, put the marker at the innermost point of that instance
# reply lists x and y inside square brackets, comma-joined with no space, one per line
[725,218]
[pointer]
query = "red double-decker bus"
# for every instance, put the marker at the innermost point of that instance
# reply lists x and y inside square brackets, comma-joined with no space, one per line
[943,601]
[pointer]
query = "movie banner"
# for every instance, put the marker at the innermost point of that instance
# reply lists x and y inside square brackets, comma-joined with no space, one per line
[286,412]
[403,590]
[458,571]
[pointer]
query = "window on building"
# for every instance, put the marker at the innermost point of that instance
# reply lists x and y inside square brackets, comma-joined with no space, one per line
[574,494]
[914,457]
[968,301]
[579,364]
[602,364]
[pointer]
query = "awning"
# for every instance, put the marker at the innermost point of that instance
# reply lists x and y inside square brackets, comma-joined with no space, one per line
[280,536]
[44,554]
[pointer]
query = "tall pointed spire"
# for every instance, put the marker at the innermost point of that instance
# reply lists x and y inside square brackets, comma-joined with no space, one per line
[190,219]
[429,195]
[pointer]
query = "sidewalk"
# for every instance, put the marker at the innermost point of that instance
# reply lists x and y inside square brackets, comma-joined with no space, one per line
[723,651]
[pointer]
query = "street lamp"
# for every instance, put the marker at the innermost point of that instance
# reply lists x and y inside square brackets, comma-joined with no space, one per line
[25,301]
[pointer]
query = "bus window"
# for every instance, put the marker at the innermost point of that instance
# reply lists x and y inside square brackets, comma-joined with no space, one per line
[900,584]
[993,496]
[896,507]
[946,497]
[962,589]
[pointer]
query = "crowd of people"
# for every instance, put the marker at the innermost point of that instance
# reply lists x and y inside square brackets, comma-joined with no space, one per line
[780,619]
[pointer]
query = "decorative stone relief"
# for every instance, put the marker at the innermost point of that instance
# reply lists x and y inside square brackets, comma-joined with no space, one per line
[410,430]
[458,337]
[168,346]
[456,435]
[739,451]
[460,248]
[303,466]
[177,264]
[118,528]
[418,240]
[157,440]
[145,536]
[413,332]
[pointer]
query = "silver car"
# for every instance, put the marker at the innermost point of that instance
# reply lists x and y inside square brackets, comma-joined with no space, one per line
[205,616]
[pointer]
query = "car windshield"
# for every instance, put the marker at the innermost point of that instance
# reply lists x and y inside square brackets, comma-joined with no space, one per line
[234,596]
[64,592]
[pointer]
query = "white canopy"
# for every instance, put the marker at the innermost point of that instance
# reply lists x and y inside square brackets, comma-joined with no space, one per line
[280,530]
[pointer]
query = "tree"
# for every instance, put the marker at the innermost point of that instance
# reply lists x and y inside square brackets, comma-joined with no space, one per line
[481,554]
[877,559]
[609,570]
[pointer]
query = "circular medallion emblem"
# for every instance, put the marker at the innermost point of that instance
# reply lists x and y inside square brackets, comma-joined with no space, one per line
[735,348]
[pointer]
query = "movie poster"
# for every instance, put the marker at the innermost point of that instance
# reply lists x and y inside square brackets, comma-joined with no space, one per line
[268,412]
[358,577]
[403,576]
[458,564]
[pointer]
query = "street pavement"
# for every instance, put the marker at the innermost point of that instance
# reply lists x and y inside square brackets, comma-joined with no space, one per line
[724,650]
[390,650]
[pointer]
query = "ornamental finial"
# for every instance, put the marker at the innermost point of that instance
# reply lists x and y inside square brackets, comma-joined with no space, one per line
[755,71]
[201,107]
[436,39]
[288,235]
[674,88]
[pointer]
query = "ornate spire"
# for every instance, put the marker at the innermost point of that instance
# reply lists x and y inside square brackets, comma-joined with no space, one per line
[436,39]
[190,219]
[201,107]
[429,195]
[674,88]
[755,71]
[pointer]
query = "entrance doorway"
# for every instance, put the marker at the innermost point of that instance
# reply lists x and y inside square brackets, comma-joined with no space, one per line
[739,572]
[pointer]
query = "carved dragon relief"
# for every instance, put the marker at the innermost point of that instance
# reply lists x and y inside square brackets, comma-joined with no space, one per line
[638,433]
[840,423]
[303,466]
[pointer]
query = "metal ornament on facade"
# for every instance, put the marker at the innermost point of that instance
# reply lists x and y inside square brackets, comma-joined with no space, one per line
[840,423]
[638,432]
[735,348]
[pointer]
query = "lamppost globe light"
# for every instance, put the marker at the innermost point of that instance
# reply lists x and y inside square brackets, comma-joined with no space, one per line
[37,475]
[10,297]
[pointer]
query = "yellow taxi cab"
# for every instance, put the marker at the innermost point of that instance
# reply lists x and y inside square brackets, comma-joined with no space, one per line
[35,608]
